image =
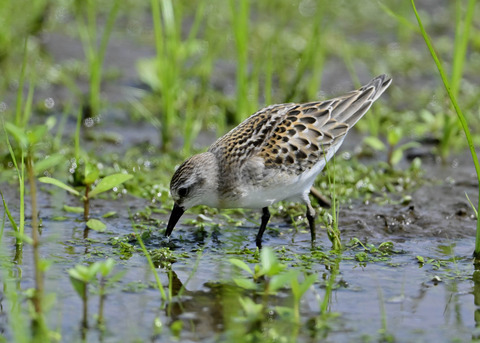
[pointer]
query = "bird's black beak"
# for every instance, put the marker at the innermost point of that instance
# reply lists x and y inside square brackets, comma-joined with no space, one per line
[174,217]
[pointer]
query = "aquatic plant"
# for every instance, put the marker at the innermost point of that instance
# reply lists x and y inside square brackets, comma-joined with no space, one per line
[91,177]
[105,281]
[28,141]
[395,151]
[331,220]
[82,276]
[20,169]
[86,17]
[274,276]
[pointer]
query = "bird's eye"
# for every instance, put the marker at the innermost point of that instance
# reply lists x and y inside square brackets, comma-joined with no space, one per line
[183,191]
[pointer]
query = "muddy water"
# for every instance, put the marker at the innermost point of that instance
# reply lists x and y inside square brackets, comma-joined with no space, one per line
[410,300]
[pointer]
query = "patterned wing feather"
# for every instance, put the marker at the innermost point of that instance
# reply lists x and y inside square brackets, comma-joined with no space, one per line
[308,131]
[294,137]
[248,138]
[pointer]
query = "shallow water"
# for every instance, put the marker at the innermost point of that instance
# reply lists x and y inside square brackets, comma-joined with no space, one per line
[397,296]
[417,302]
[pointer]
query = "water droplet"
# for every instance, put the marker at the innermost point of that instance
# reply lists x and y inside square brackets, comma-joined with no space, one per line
[49,103]
[88,122]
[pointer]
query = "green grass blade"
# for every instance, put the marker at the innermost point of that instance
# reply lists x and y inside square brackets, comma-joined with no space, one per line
[150,263]
[21,182]
[240,14]
[9,215]
[472,205]
[18,111]
[77,137]
[460,115]
[462,35]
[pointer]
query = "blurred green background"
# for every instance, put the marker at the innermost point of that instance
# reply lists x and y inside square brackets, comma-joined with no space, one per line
[187,67]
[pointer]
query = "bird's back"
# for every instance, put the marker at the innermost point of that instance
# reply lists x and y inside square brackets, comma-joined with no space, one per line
[294,137]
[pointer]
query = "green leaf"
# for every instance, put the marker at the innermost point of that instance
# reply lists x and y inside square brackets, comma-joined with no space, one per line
[19,135]
[396,156]
[9,215]
[279,281]
[106,266]
[245,283]
[116,277]
[147,71]
[91,174]
[22,237]
[270,264]
[240,264]
[44,265]
[420,259]
[50,122]
[73,209]
[409,145]
[37,134]
[96,225]
[251,308]
[78,286]
[109,214]
[79,272]
[305,285]
[93,269]
[48,163]
[108,182]
[394,135]
[374,143]
[80,276]
[58,183]
[361,256]
[268,259]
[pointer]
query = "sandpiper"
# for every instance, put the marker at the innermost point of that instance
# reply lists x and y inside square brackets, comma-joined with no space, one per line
[273,155]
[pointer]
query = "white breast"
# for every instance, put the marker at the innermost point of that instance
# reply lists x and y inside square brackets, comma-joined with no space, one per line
[279,187]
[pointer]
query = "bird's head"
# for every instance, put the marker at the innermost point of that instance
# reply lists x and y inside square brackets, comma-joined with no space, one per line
[194,183]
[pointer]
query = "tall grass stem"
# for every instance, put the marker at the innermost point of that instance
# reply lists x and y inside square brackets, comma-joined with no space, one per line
[240,11]
[462,36]
[460,116]
[150,264]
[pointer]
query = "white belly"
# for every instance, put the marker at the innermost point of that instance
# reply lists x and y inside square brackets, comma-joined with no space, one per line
[277,188]
[285,189]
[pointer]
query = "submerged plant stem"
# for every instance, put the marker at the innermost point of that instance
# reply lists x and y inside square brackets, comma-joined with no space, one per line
[100,320]
[38,321]
[86,203]
[85,308]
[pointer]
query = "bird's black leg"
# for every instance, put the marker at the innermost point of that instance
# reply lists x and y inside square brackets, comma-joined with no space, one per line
[310,216]
[311,223]
[263,226]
